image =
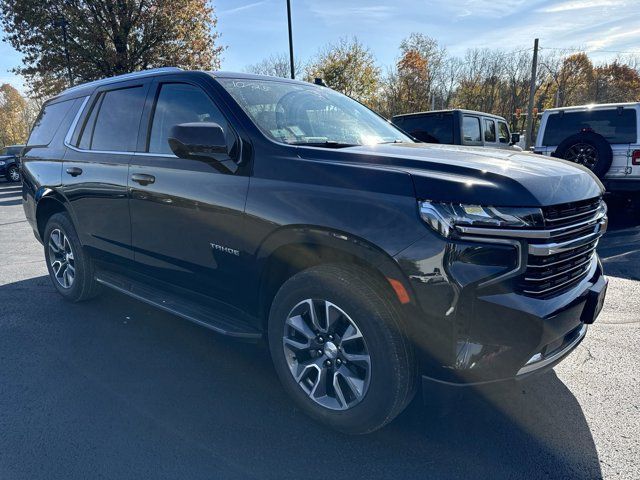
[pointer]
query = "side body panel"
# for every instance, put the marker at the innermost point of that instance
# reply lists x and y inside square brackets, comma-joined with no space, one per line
[187,226]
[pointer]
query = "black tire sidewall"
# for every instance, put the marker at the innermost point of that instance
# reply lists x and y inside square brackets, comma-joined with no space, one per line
[378,323]
[605,153]
[84,282]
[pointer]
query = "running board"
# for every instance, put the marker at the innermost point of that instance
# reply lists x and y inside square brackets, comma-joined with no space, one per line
[195,312]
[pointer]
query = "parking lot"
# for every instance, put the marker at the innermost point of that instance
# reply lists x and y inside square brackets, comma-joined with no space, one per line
[115,389]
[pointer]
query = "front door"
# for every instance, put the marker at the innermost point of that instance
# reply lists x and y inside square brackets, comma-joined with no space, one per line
[186,215]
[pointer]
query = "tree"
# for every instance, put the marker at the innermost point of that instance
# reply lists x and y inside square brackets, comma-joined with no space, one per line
[107,37]
[274,65]
[616,82]
[17,116]
[348,67]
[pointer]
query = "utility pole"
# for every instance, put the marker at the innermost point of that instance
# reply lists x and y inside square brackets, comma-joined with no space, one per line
[293,69]
[62,23]
[532,92]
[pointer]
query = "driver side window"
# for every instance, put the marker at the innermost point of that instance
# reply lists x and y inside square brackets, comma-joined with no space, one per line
[181,103]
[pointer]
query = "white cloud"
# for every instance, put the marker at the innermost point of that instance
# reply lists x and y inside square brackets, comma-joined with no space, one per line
[241,8]
[612,39]
[580,5]
[340,13]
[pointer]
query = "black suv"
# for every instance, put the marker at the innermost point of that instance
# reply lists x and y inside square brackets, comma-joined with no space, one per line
[10,162]
[270,208]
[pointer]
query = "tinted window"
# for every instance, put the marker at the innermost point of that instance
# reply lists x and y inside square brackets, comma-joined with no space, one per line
[11,150]
[471,129]
[117,117]
[48,122]
[180,103]
[489,130]
[432,128]
[87,131]
[617,126]
[503,132]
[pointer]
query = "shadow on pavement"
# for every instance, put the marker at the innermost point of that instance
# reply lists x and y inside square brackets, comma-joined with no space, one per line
[115,389]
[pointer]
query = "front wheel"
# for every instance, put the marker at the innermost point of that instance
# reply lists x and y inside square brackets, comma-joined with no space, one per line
[337,346]
[13,173]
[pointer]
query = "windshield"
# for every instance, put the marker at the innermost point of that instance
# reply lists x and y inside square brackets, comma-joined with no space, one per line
[300,114]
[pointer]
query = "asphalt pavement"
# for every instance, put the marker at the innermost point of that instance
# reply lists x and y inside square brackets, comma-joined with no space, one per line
[115,389]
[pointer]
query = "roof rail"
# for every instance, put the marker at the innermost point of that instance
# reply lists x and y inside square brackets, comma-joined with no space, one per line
[126,76]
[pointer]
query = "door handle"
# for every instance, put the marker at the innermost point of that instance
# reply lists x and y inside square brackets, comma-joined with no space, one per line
[143,178]
[74,171]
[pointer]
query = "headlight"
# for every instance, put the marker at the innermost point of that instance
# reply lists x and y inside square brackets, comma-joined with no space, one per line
[2,162]
[444,217]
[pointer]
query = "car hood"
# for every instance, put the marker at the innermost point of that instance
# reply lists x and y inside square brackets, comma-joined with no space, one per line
[450,173]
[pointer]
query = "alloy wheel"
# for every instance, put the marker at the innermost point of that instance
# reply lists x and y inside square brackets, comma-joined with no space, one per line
[14,174]
[327,354]
[61,258]
[583,154]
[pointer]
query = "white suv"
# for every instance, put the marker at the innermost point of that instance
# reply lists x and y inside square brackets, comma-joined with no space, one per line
[603,138]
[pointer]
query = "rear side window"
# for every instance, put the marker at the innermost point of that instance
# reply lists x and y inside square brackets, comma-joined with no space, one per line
[113,122]
[435,128]
[181,103]
[489,130]
[48,122]
[616,126]
[471,129]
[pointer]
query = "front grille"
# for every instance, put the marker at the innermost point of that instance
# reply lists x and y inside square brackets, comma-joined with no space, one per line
[558,251]
[570,213]
[551,271]
[552,274]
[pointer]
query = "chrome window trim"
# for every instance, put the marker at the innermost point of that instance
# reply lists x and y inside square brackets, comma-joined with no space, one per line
[532,365]
[74,124]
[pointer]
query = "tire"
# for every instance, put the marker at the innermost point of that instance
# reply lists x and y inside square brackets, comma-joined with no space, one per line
[13,174]
[64,255]
[358,303]
[588,149]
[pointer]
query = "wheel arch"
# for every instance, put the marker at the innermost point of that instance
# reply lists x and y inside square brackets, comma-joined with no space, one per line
[48,203]
[293,249]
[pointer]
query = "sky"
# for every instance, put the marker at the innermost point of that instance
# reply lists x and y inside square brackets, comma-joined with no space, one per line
[254,29]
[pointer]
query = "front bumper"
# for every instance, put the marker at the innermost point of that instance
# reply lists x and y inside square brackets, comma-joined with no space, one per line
[468,330]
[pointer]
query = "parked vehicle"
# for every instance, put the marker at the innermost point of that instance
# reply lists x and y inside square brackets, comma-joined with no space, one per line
[271,208]
[603,138]
[10,162]
[459,127]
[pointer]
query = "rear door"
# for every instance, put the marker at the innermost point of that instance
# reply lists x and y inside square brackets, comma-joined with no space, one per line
[187,217]
[96,165]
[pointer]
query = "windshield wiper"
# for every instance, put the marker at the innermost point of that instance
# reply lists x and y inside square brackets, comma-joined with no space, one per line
[391,141]
[327,144]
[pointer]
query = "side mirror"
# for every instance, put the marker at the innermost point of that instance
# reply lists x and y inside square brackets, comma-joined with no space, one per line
[203,141]
[515,138]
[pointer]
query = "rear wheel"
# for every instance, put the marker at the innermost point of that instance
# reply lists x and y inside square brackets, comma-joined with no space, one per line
[337,346]
[70,268]
[13,173]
